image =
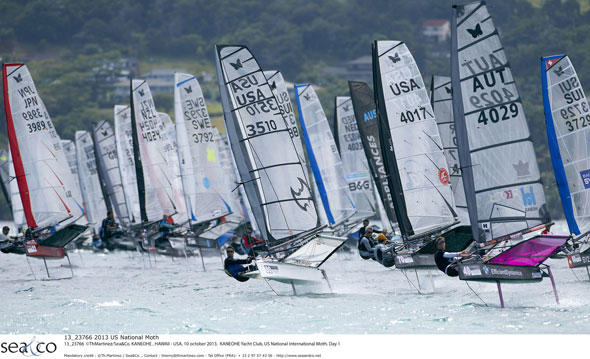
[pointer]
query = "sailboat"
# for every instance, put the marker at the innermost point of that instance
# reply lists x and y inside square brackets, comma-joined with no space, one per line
[274,179]
[330,186]
[94,201]
[41,168]
[503,189]
[567,118]
[153,186]
[413,155]
[354,161]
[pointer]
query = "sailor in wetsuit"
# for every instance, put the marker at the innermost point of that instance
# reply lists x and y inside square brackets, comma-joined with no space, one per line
[251,243]
[366,244]
[444,260]
[233,267]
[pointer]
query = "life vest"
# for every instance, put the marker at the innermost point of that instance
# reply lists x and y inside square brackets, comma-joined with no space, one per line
[248,244]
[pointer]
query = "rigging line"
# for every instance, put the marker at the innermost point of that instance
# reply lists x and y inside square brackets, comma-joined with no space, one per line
[477,295]
[271,288]
[409,281]
[575,275]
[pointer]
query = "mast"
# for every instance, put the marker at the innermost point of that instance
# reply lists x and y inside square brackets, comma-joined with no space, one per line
[369,127]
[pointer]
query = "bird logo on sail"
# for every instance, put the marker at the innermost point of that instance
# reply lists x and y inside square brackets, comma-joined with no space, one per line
[559,71]
[141,92]
[346,108]
[522,169]
[475,32]
[448,90]
[104,132]
[297,194]
[237,65]
[307,97]
[273,85]
[18,78]
[394,58]
[188,89]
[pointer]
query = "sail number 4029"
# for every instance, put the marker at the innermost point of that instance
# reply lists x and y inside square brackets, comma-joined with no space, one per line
[494,115]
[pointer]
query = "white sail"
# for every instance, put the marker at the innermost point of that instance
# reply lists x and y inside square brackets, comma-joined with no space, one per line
[44,182]
[124,142]
[94,202]
[500,173]
[269,165]
[201,170]
[441,97]
[568,115]
[108,163]
[324,158]
[70,150]
[173,176]
[156,196]
[354,160]
[421,163]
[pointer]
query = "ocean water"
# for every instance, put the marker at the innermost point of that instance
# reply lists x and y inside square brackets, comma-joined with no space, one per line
[123,292]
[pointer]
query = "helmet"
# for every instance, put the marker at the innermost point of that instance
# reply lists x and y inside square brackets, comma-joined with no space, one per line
[381,237]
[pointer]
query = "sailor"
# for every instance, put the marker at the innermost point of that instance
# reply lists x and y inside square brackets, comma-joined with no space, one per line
[363,228]
[164,227]
[251,243]
[444,260]
[234,268]
[367,244]
[382,244]
[107,231]
[4,235]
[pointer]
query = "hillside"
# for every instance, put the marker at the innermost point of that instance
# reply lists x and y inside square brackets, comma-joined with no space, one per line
[68,45]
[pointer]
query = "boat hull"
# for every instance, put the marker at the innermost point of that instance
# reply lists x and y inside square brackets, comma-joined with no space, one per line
[285,273]
[579,259]
[415,261]
[485,272]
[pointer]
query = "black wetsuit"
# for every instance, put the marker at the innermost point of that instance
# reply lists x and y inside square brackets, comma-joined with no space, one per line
[443,263]
[233,267]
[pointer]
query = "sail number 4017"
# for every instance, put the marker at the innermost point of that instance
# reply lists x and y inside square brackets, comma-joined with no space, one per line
[416,115]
